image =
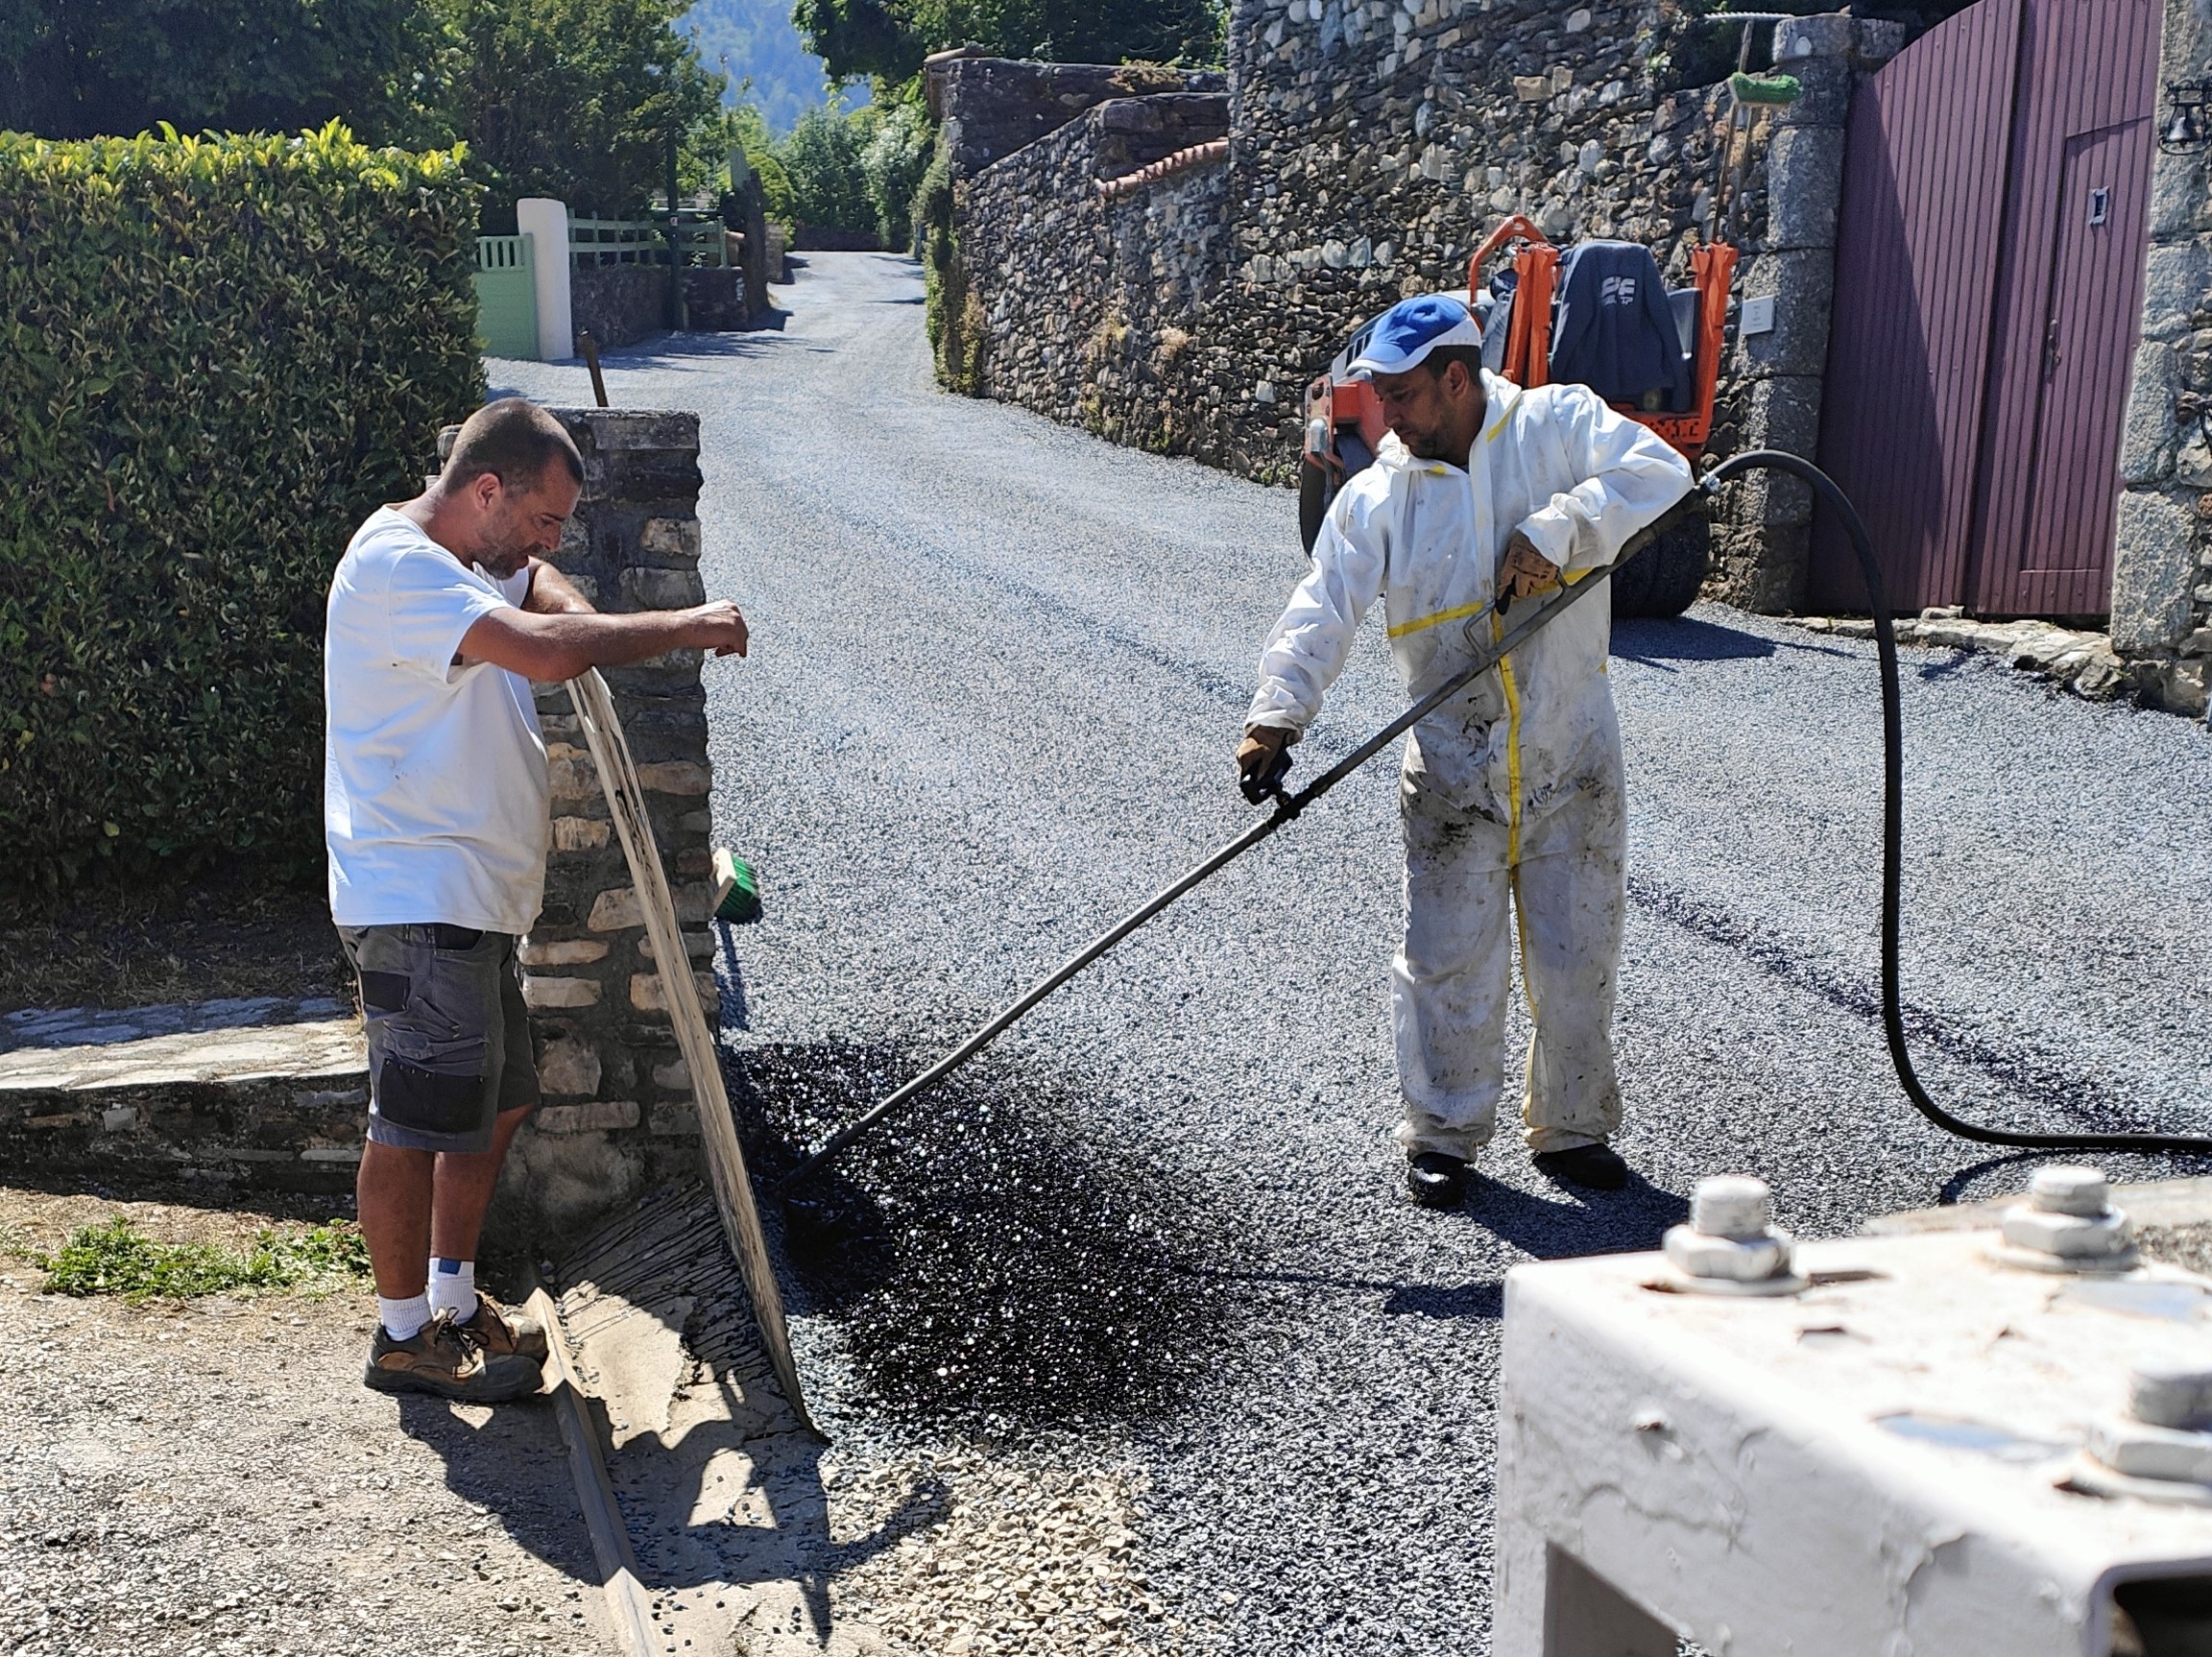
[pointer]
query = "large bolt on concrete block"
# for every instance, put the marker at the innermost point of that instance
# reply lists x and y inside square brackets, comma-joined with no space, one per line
[2069,1237]
[2069,1190]
[2173,1392]
[1731,1206]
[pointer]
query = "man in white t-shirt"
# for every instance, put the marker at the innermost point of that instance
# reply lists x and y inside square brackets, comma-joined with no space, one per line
[435,814]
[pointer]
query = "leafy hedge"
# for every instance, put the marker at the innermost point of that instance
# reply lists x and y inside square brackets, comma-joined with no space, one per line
[217,355]
[952,314]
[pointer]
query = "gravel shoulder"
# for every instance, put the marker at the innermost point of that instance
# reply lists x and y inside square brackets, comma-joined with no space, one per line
[211,1478]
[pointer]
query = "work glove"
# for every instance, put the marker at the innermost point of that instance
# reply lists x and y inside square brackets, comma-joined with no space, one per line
[1262,761]
[1525,572]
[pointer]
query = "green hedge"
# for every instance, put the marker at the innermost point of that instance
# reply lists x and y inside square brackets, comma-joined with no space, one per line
[219,355]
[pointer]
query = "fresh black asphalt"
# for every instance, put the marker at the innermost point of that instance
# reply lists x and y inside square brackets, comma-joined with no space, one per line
[997,674]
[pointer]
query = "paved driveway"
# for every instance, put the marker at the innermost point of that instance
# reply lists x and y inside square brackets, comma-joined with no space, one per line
[999,673]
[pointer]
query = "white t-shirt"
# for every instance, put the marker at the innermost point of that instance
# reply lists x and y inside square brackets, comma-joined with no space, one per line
[434,788]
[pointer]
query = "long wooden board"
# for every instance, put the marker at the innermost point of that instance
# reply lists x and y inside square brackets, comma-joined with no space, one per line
[627,1603]
[717,1130]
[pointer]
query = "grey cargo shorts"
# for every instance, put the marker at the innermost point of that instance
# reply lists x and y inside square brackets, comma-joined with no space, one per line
[449,1033]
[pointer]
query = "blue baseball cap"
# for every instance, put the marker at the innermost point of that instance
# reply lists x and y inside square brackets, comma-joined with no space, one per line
[1410,329]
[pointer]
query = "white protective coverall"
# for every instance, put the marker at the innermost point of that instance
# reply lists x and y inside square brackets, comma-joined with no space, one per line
[1512,789]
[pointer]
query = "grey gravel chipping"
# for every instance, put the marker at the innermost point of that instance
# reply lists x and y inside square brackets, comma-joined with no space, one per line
[999,672]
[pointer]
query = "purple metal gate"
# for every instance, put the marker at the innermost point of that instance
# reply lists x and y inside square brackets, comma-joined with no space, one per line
[1988,281]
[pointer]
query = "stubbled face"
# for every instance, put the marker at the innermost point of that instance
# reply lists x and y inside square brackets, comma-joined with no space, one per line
[1430,411]
[519,525]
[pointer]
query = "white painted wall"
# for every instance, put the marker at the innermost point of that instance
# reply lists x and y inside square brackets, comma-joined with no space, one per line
[547,222]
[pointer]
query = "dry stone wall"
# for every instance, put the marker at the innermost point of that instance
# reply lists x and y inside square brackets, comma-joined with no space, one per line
[991,107]
[1373,144]
[1092,296]
[2162,554]
[618,1114]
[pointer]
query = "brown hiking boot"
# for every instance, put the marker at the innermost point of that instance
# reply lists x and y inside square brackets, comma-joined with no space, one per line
[441,1360]
[504,1330]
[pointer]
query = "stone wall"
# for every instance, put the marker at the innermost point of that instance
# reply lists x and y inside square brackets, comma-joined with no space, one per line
[621,305]
[2161,619]
[617,1114]
[992,106]
[1373,143]
[618,304]
[279,1108]
[1092,296]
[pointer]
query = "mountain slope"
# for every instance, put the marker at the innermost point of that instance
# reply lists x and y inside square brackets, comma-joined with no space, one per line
[754,39]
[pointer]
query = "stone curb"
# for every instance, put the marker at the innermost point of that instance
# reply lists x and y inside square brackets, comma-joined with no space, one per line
[2083,662]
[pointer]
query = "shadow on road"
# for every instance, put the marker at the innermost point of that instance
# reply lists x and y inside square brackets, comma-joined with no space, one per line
[1652,642]
[510,1465]
[1559,1228]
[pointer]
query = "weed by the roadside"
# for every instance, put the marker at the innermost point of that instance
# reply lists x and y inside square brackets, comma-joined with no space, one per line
[14,1245]
[118,1258]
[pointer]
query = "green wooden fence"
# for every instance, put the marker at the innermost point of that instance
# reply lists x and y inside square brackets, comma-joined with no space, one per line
[645,242]
[507,296]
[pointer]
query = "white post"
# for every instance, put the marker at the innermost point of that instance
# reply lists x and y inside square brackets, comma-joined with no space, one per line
[547,222]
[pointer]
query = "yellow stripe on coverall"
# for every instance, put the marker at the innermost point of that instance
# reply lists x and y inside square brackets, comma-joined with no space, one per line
[1512,748]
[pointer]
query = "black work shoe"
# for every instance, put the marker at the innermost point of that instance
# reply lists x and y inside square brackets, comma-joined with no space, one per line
[1593,1168]
[441,1360]
[1436,1180]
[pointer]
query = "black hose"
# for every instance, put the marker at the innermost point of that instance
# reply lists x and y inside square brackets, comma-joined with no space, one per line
[1892,836]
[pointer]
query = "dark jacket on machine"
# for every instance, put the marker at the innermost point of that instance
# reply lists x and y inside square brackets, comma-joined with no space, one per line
[1613,330]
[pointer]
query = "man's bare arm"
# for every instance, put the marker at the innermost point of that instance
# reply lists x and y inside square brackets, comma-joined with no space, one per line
[552,647]
[552,593]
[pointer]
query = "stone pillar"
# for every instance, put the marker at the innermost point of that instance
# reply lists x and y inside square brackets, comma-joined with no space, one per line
[617,1114]
[1763,546]
[2161,617]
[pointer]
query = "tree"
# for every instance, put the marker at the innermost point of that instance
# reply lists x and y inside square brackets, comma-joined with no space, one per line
[892,164]
[82,68]
[890,40]
[575,99]
[822,158]
[854,38]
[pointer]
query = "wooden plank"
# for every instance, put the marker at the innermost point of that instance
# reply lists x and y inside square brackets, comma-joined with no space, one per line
[717,1130]
[627,1603]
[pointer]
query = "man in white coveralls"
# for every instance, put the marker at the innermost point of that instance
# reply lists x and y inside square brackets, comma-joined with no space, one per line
[1512,791]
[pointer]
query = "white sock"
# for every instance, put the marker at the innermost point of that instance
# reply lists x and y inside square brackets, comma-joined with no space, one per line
[403,1319]
[453,1287]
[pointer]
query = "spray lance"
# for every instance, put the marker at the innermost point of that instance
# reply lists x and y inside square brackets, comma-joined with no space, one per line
[1484,653]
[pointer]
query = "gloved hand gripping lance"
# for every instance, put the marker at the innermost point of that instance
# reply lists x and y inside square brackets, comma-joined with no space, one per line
[1485,653]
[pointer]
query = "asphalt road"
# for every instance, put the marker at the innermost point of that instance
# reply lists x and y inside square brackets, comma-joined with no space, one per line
[998,675]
